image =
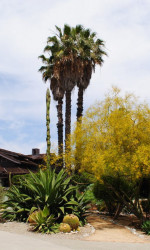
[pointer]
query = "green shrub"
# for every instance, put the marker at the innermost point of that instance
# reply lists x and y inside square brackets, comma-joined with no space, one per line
[112,190]
[101,192]
[16,179]
[89,195]
[146,227]
[83,180]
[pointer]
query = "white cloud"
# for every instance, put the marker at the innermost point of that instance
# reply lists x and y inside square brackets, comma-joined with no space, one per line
[25,26]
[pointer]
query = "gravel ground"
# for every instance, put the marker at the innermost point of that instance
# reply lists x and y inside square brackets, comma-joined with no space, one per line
[100,228]
[24,228]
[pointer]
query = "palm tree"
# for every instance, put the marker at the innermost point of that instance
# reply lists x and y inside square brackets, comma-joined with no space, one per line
[87,51]
[58,68]
[65,66]
[91,53]
[74,52]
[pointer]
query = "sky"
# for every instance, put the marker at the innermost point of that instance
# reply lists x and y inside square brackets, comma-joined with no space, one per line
[124,25]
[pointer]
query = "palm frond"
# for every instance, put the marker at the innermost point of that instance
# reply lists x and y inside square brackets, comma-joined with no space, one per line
[78,28]
[67,29]
[59,30]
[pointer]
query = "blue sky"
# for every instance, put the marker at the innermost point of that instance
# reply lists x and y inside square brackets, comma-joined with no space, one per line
[124,25]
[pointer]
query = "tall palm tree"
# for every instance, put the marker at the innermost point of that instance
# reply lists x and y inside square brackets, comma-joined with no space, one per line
[73,54]
[65,66]
[86,53]
[91,54]
[58,68]
[79,53]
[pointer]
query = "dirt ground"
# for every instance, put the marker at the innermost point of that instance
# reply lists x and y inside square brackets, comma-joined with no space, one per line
[101,228]
[121,230]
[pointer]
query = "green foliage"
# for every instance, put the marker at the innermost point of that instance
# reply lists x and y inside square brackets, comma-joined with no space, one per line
[89,195]
[18,205]
[101,192]
[113,191]
[79,206]
[16,179]
[122,193]
[72,52]
[146,227]
[45,188]
[43,222]
[82,180]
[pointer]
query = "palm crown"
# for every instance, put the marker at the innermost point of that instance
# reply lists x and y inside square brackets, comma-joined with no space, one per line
[73,54]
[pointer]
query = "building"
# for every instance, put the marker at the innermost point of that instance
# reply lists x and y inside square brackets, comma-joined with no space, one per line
[12,163]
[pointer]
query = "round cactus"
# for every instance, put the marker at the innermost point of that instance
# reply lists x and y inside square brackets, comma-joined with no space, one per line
[72,220]
[65,228]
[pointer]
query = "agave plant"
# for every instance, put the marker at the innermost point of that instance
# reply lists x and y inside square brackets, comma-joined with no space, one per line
[44,189]
[17,205]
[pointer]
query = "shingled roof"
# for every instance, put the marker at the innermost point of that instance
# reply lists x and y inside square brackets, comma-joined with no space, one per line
[16,163]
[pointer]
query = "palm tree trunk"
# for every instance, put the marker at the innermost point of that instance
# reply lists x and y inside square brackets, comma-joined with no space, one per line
[80,104]
[79,119]
[60,130]
[68,121]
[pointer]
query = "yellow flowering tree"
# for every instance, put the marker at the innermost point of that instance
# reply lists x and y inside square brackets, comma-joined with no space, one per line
[114,138]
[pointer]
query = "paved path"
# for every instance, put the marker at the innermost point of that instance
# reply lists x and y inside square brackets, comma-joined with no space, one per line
[13,241]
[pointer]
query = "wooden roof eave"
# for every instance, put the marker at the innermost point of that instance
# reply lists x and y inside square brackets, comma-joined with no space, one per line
[10,158]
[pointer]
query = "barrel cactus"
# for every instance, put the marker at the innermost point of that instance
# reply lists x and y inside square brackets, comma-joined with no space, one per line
[65,228]
[72,220]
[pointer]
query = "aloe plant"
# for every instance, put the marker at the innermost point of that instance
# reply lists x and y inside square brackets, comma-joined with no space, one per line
[43,221]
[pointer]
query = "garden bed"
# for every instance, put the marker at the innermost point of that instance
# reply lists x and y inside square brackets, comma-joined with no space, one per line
[24,228]
[100,227]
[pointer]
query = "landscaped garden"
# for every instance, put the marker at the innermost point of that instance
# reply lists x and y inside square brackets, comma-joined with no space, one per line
[106,162]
